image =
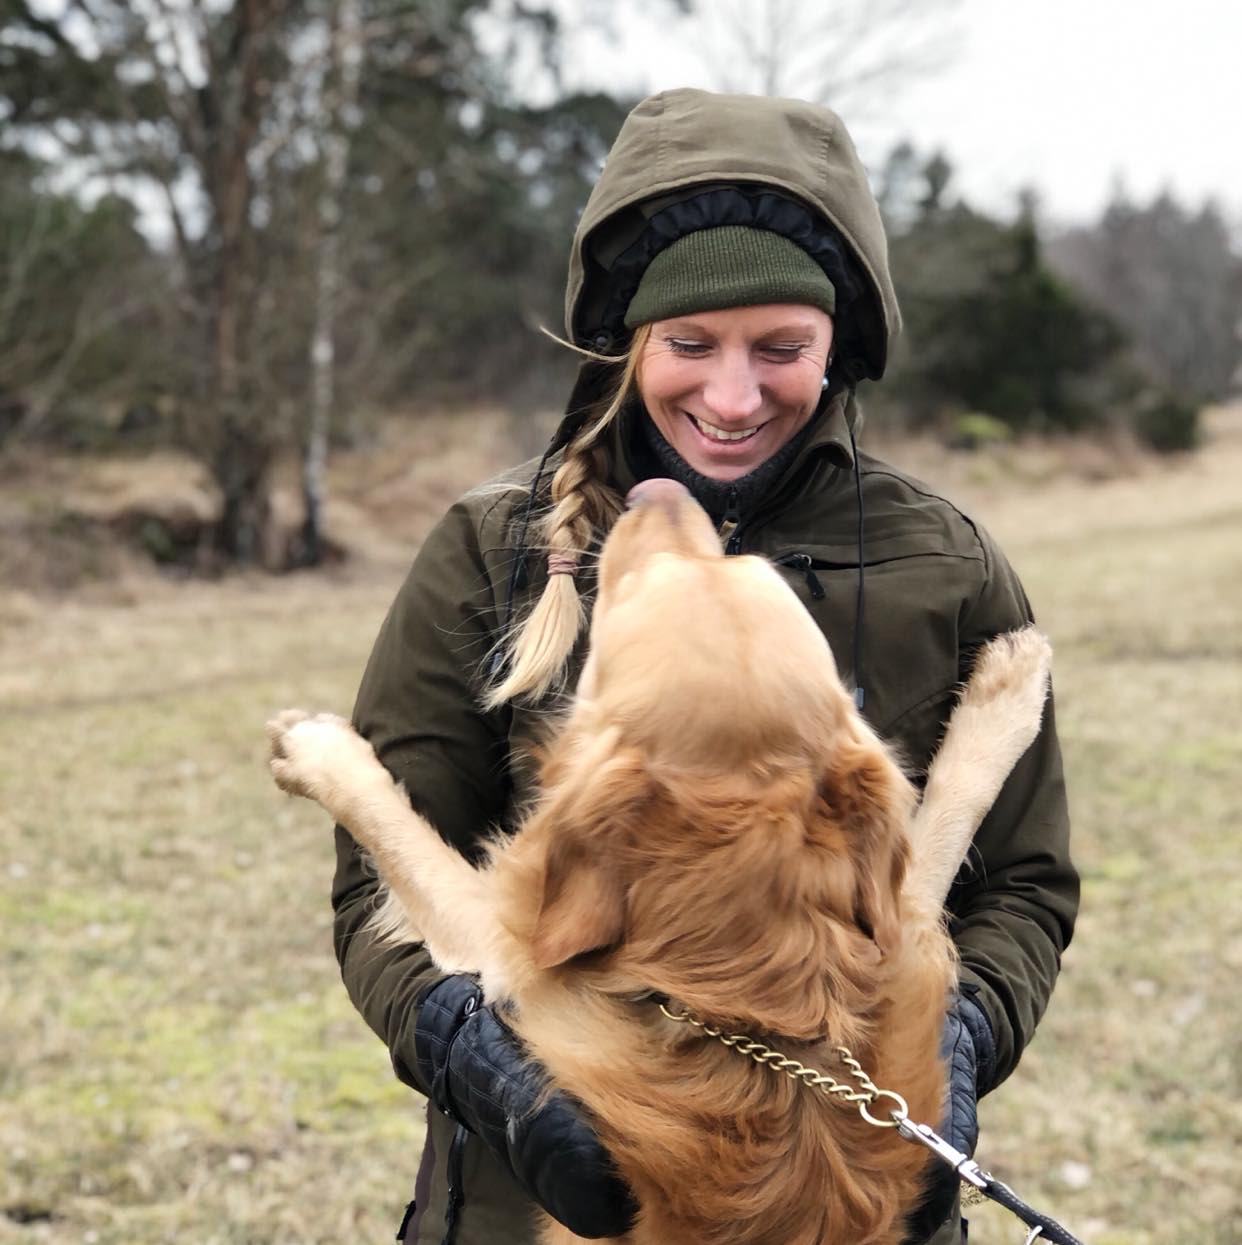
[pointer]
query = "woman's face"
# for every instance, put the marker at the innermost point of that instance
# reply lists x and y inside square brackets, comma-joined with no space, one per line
[728,388]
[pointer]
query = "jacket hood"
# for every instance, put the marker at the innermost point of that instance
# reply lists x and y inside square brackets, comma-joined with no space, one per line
[684,142]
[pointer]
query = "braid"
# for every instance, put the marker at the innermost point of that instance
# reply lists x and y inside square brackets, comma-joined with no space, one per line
[584,508]
[584,503]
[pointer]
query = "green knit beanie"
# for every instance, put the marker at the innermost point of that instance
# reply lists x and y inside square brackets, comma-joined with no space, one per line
[728,266]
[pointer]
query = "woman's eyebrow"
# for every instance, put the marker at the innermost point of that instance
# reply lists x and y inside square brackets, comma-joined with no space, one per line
[683,326]
[803,331]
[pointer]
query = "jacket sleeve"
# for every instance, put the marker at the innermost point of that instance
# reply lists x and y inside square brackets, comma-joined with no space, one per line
[418,706]
[1013,905]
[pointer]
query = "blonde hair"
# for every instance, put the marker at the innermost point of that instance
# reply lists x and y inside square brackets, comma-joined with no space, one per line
[583,510]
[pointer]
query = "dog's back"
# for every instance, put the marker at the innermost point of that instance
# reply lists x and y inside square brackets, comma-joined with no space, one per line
[771,904]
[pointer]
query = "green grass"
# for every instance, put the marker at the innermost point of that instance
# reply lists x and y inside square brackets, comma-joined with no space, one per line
[178,1059]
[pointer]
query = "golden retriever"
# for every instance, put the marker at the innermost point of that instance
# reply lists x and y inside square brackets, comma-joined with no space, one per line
[717,824]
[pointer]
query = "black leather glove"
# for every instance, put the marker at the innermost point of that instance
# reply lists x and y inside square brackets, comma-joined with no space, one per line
[480,1074]
[969,1052]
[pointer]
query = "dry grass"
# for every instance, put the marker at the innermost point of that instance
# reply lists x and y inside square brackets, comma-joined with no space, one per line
[1125,1115]
[179,1062]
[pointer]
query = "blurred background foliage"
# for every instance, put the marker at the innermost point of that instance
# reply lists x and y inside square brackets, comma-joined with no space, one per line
[245,227]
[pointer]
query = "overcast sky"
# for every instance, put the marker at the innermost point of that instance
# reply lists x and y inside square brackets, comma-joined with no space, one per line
[1067,95]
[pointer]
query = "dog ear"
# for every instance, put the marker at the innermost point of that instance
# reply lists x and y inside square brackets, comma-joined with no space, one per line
[583,907]
[872,801]
[591,813]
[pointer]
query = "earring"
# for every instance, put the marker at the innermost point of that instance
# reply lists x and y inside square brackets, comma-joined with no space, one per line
[824,383]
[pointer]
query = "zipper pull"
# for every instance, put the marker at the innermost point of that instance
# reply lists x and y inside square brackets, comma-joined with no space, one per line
[732,523]
[802,561]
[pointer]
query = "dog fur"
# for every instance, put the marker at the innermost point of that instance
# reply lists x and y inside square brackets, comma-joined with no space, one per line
[719,825]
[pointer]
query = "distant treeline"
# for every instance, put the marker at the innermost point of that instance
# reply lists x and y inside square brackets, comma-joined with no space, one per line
[245,228]
[1132,321]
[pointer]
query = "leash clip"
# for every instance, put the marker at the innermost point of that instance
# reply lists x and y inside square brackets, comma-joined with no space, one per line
[966,1168]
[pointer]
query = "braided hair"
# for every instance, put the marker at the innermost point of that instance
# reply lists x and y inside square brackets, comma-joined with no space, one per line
[584,508]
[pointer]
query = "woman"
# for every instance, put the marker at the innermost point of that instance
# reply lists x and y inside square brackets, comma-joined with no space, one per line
[732,258]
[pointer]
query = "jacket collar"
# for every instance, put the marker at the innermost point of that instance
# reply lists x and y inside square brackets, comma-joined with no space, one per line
[831,436]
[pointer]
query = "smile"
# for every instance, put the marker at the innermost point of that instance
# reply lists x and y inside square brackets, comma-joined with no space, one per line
[719,434]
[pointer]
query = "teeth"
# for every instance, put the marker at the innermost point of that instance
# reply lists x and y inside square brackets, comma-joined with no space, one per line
[719,434]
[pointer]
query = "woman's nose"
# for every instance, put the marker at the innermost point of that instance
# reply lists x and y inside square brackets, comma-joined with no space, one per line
[732,393]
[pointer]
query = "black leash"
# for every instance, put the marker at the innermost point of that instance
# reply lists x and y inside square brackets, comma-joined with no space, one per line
[1046,1229]
[969,1172]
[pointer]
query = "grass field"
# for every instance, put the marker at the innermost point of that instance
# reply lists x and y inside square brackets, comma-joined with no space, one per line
[178,1060]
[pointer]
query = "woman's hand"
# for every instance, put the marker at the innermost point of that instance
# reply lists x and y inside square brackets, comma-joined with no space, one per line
[967,1048]
[481,1075]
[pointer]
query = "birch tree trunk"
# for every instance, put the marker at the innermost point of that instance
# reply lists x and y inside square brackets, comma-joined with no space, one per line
[341,113]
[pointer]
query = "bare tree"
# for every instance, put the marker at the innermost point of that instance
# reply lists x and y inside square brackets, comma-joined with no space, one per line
[340,112]
[220,139]
[309,215]
[78,290]
[1172,277]
[850,54]
[195,106]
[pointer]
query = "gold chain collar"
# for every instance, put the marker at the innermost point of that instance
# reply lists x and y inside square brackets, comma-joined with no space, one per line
[867,1095]
[980,1184]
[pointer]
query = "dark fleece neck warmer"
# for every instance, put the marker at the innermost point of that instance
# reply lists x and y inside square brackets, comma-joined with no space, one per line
[652,456]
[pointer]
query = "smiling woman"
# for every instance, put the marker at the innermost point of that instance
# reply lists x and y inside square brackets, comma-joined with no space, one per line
[729,291]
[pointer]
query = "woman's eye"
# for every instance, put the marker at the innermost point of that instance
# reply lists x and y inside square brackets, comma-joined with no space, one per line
[783,353]
[681,346]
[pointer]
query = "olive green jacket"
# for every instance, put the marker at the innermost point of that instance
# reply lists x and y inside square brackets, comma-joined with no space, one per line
[936,587]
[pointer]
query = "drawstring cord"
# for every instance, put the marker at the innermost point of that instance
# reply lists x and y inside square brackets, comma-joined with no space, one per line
[860,696]
[519,556]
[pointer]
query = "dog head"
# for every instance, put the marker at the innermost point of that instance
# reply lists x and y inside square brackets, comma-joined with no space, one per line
[700,659]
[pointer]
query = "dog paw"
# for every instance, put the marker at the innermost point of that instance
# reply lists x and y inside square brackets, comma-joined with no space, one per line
[312,755]
[1012,667]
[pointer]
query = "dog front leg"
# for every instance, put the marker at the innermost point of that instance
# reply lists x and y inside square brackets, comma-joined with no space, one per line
[994,723]
[446,898]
